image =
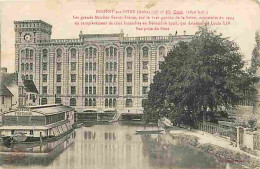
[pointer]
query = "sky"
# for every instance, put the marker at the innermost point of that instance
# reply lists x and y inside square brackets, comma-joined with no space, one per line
[59,13]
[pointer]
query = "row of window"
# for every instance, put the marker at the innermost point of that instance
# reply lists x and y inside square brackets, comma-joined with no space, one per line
[129,90]
[27,66]
[110,66]
[110,90]
[91,102]
[27,53]
[129,77]
[27,77]
[110,78]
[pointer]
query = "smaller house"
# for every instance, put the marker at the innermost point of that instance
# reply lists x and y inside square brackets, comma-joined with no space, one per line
[31,93]
[5,98]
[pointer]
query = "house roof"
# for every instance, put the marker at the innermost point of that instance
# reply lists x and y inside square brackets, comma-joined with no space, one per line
[29,86]
[51,109]
[4,91]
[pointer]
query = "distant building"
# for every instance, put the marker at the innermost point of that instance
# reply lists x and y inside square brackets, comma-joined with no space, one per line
[5,98]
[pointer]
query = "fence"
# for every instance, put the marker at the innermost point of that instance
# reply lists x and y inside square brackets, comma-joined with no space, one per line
[217,129]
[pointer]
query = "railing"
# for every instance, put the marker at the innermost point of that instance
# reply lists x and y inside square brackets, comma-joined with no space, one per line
[152,38]
[215,129]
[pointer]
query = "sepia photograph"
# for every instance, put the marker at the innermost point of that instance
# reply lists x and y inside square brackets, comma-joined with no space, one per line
[138,84]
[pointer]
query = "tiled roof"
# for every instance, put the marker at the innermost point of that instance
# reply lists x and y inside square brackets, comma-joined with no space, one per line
[4,91]
[29,86]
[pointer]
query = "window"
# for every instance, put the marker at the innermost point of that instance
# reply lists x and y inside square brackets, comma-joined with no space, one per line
[27,66]
[44,53]
[31,54]
[86,66]
[111,66]
[90,90]
[27,53]
[90,65]
[110,103]
[58,100]
[145,90]
[73,66]
[94,66]
[114,103]
[106,90]
[114,78]
[90,78]
[129,90]
[31,77]
[26,77]
[31,132]
[129,65]
[145,77]
[90,102]
[58,78]
[73,78]
[3,100]
[145,65]
[73,53]
[31,96]
[129,103]
[110,78]
[59,52]
[44,89]
[44,66]
[94,90]
[44,78]
[58,90]
[86,78]
[107,52]
[86,52]
[111,51]
[110,90]
[106,102]
[31,66]
[90,52]
[94,78]
[44,101]
[115,52]
[12,132]
[129,52]
[22,53]
[72,102]
[107,65]
[59,66]
[22,66]
[86,102]
[129,77]
[114,90]
[115,66]
[73,90]
[95,52]
[86,90]
[94,102]
[145,51]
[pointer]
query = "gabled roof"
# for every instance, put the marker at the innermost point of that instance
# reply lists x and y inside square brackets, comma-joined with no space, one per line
[29,86]
[4,91]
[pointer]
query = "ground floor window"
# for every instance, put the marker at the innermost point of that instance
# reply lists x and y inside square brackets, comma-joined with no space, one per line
[72,102]
[44,101]
[12,131]
[31,132]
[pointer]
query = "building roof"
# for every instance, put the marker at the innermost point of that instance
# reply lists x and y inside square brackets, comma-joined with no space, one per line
[29,86]
[4,91]
[50,109]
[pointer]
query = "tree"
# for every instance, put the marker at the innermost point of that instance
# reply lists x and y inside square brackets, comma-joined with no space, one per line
[255,63]
[205,74]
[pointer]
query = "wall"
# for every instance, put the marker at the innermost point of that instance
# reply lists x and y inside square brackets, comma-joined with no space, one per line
[7,103]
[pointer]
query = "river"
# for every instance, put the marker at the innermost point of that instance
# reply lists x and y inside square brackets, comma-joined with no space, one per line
[109,147]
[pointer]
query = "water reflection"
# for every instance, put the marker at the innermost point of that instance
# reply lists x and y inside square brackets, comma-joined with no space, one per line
[112,147]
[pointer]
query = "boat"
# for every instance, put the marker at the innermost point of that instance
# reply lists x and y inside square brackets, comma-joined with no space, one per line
[150,130]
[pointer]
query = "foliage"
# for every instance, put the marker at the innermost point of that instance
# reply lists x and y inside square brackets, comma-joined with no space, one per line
[255,63]
[205,74]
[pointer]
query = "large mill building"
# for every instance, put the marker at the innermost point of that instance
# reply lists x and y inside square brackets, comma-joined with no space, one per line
[95,72]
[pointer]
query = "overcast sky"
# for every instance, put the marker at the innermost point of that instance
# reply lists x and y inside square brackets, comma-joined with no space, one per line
[60,15]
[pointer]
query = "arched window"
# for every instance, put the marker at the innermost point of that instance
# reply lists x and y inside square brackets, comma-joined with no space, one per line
[31,54]
[72,102]
[90,52]
[162,51]
[27,53]
[44,53]
[110,102]
[22,66]
[86,102]
[90,102]
[129,51]
[115,52]
[44,101]
[86,52]
[73,53]
[59,52]
[22,53]
[95,52]
[114,103]
[111,51]
[31,66]
[145,51]
[106,102]
[107,52]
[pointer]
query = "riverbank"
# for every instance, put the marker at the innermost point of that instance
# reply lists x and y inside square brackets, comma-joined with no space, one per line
[219,147]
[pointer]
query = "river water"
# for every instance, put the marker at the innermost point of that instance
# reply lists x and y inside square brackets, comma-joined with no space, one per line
[109,147]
